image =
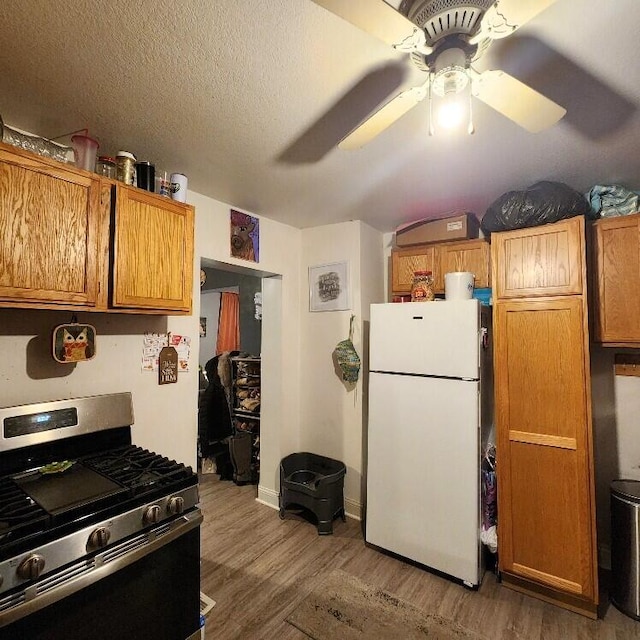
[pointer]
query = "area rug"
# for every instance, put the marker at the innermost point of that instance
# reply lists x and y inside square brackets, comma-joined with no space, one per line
[346,608]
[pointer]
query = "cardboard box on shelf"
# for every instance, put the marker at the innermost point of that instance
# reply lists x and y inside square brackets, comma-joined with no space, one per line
[461,225]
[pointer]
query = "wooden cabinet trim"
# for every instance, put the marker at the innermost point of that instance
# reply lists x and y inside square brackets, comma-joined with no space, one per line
[544,440]
[553,581]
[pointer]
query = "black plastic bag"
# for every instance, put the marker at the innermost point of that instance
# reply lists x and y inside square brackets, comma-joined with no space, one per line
[541,203]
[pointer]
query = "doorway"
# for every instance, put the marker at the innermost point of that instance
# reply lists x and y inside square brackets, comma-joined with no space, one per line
[238,450]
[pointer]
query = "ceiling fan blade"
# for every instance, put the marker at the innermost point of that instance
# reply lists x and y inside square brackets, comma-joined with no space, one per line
[378,19]
[383,118]
[517,101]
[504,17]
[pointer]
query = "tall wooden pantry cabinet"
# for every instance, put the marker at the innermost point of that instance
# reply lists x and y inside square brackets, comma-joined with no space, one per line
[546,495]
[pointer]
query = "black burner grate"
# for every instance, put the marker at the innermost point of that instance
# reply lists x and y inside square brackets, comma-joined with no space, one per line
[140,470]
[19,514]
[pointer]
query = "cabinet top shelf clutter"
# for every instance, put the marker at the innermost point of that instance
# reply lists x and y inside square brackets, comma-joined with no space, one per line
[77,241]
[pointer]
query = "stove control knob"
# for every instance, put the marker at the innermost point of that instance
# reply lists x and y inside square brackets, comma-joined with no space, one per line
[31,567]
[151,515]
[99,538]
[175,505]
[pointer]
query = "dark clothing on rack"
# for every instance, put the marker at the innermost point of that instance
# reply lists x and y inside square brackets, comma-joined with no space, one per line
[214,415]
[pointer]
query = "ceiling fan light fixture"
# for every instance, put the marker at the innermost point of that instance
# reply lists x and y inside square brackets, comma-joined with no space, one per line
[453,109]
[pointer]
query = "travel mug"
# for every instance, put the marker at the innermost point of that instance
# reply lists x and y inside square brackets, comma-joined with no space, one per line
[145,175]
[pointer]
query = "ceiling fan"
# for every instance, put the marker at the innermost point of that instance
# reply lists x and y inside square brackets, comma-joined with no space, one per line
[443,39]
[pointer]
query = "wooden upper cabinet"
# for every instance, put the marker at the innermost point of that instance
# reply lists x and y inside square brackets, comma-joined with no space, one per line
[405,262]
[617,290]
[48,231]
[539,261]
[152,252]
[473,256]
[71,239]
[440,258]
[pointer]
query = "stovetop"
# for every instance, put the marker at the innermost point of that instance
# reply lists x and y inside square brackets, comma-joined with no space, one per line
[37,506]
[69,464]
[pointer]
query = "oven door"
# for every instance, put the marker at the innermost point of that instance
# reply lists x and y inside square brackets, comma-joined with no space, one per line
[147,588]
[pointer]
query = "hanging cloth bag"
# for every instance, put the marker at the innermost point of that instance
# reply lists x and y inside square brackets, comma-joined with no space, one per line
[348,358]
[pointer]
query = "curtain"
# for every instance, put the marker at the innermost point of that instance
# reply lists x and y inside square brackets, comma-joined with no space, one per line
[229,323]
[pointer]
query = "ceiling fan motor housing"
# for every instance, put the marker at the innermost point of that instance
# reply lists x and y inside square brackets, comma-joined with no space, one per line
[440,18]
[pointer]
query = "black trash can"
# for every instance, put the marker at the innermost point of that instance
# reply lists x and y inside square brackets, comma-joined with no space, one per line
[625,549]
[316,483]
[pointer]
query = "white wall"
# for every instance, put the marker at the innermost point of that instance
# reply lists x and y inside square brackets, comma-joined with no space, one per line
[616,426]
[166,416]
[280,258]
[331,412]
[209,309]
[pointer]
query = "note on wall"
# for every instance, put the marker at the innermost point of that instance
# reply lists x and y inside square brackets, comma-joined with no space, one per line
[152,344]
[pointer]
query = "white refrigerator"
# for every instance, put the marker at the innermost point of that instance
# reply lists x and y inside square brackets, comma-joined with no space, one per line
[429,411]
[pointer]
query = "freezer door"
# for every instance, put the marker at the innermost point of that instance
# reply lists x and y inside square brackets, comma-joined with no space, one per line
[426,338]
[423,472]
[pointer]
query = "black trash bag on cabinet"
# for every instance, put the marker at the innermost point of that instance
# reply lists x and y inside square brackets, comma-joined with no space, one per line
[541,203]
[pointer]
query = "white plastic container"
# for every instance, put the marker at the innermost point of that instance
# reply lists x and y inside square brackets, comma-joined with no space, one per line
[458,285]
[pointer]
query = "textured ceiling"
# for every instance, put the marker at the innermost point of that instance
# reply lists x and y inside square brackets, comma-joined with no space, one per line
[249,98]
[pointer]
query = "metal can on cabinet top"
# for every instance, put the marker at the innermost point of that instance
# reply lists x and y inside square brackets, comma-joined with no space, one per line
[125,167]
[179,187]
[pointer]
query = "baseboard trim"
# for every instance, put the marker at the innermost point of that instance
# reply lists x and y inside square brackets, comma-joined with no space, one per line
[352,509]
[268,497]
[271,498]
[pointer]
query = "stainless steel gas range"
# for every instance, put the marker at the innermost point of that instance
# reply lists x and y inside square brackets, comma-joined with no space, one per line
[98,538]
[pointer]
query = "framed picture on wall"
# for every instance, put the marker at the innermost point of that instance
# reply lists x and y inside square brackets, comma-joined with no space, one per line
[203,327]
[245,236]
[329,287]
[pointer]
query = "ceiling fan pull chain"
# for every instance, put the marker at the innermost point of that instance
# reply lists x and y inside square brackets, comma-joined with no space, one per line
[430,108]
[471,129]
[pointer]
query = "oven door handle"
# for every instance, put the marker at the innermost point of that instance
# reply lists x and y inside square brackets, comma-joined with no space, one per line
[79,575]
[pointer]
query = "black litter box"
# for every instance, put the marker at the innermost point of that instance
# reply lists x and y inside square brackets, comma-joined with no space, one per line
[315,483]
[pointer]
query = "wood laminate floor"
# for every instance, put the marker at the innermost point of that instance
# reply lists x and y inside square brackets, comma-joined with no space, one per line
[258,568]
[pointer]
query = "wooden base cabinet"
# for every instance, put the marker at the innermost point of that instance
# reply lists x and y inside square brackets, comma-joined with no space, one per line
[546,495]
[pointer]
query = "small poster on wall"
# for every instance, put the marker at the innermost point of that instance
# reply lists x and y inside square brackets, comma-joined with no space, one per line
[329,287]
[153,343]
[245,236]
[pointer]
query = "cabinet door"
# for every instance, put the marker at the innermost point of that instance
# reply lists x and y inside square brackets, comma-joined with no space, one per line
[617,245]
[405,262]
[48,227]
[153,252]
[545,492]
[473,256]
[539,261]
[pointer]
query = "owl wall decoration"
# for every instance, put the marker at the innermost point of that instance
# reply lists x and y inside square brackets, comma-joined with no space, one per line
[74,342]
